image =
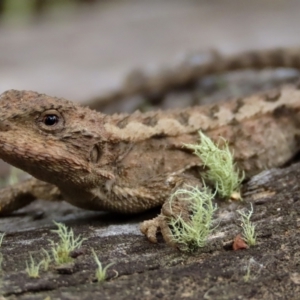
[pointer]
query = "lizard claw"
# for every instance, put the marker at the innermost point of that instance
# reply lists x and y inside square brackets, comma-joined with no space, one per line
[150,228]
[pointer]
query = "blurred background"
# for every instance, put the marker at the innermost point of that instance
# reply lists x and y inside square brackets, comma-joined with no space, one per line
[80,49]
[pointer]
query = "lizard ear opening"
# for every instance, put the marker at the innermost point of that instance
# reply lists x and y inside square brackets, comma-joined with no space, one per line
[95,154]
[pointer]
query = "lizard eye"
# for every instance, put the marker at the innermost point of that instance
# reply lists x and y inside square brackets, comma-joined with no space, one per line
[50,120]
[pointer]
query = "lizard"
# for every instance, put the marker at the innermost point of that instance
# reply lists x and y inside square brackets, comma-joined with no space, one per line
[129,163]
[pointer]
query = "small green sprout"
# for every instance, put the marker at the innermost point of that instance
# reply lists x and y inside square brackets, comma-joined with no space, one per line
[247,276]
[32,268]
[46,260]
[67,243]
[1,261]
[100,272]
[248,227]
[221,167]
[1,257]
[193,233]
[14,176]
[1,238]
[254,265]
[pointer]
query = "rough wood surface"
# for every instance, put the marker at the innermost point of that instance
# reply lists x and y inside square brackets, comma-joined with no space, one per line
[144,271]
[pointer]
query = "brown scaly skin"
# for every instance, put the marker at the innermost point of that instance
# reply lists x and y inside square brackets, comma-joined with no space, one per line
[130,163]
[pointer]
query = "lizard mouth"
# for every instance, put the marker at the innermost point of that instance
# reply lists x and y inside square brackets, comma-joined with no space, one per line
[44,160]
[17,151]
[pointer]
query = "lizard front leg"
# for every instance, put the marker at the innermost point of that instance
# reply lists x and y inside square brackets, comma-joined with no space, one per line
[172,208]
[23,193]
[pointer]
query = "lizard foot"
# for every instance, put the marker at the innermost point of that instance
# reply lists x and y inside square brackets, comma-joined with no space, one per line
[171,209]
[150,228]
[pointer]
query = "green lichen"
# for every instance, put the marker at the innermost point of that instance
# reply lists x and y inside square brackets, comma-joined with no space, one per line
[193,233]
[100,272]
[46,260]
[66,244]
[33,269]
[221,169]
[248,227]
[1,238]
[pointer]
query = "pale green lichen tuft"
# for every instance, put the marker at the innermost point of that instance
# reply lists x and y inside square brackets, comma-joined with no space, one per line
[1,261]
[248,227]
[1,238]
[67,243]
[46,260]
[221,169]
[33,269]
[192,234]
[100,272]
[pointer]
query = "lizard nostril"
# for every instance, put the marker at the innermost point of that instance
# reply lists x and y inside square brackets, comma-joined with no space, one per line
[4,127]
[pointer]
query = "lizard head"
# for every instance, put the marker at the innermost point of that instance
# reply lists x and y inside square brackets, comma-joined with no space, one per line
[53,139]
